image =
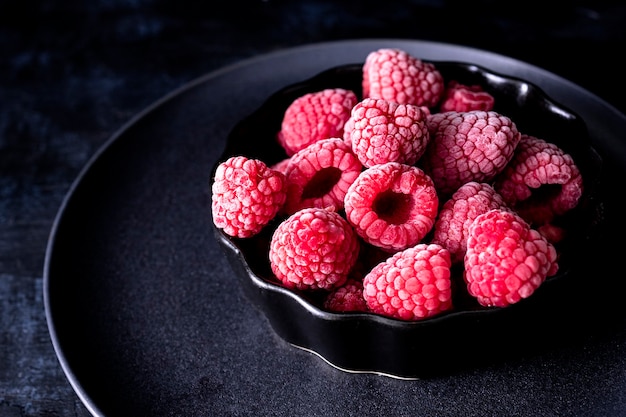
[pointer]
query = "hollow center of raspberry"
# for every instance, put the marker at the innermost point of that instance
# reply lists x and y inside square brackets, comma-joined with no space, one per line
[322,182]
[394,208]
[541,196]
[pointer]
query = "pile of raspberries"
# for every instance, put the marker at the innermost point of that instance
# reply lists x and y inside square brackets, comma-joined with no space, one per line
[378,198]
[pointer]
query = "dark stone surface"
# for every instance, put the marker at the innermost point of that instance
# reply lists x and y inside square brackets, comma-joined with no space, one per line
[73,72]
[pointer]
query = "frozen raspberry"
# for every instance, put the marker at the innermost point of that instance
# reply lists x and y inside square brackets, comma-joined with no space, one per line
[383,131]
[320,174]
[313,248]
[395,75]
[348,297]
[457,213]
[461,97]
[281,165]
[541,181]
[315,116]
[468,146]
[392,206]
[412,284]
[506,260]
[246,195]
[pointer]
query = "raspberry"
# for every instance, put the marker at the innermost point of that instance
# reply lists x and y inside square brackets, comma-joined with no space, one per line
[541,181]
[506,260]
[281,165]
[457,213]
[468,146]
[392,205]
[395,75]
[348,297]
[313,248]
[412,284]
[461,97]
[315,116]
[320,174]
[383,131]
[246,195]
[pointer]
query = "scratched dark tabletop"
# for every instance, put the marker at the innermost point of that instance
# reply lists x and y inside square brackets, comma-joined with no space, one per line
[73,72]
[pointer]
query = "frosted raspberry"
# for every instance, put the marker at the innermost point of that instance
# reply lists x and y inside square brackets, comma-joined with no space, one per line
[506,260]
[383,131]
[348,297]
[246,195]
[320,174]
[281,165]
[458,213]
[315,116]
[395,75]
[461,97]
[468,146]
[392,206]
[541,182]
[313,248]
[412,284]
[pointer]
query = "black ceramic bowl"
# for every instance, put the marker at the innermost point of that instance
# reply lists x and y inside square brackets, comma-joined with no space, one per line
[469,335]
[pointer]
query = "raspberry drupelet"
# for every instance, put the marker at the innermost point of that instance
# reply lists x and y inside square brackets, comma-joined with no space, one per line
[320,174]
[313,249]
[384,131]
[461,97]
[457,214]
[506,260]
[412,284]
[392,206]
[245,196]
[468,146]
[315,116]
[541,182]
[395,75]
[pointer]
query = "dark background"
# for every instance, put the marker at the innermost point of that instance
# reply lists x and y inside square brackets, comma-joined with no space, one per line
[73,72]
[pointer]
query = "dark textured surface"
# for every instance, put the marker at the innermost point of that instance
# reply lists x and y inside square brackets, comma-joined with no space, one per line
[72,73]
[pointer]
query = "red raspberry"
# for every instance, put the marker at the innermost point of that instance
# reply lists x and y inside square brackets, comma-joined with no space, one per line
[314,248]
[383,131]
[315,116]
[468,146]
[320,174]
[506,260]
[395,75]
[392,206]
[281,165]
[348,297]
[461,97]
[412,284]
[457,213]
[246,195]
[541,181]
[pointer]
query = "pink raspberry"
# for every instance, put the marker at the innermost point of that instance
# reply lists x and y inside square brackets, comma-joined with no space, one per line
[246,195]
[384,131]
[412,284]
[506,260]
[541,182]
[348,297]
[395,75]
[468,146]
[320,174]
[281,165]
[392,205]
[315,116]
[458,213]
[461,97]
[313,248]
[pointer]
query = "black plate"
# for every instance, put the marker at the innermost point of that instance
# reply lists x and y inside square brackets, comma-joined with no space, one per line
[147,317]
